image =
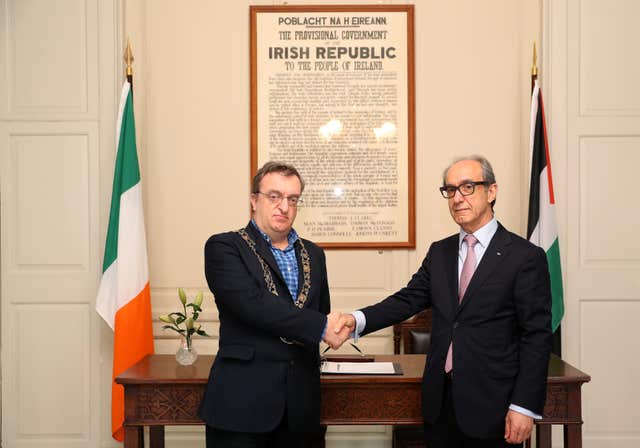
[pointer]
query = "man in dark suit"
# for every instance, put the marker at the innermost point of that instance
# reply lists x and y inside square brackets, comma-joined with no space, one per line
[485,376]
[271,290]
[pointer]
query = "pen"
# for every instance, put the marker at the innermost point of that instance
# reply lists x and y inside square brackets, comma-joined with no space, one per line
[350,343]
[356,347]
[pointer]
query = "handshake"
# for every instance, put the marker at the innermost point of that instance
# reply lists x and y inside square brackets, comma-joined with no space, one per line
[339,327]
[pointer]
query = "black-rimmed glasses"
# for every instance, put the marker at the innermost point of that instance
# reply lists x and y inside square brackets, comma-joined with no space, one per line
[465,188]
[275,197]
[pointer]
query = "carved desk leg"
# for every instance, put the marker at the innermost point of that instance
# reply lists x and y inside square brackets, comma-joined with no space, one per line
[156,436]
[543,436]
[573,431]
[573,436]
[133,437]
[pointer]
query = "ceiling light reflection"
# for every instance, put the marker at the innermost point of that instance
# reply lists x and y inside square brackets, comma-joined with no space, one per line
[387,130]
[331,129]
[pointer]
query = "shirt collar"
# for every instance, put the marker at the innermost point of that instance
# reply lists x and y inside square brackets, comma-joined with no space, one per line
[292,237]
[483,234]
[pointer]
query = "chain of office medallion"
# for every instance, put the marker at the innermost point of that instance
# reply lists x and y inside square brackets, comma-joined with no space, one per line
[271,286]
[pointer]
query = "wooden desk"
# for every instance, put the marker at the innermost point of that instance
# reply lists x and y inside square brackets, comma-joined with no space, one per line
[160,392]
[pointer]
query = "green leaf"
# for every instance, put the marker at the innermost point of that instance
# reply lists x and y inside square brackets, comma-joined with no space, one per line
[171,327]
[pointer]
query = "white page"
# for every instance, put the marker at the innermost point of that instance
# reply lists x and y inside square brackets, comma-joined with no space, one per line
[376,368]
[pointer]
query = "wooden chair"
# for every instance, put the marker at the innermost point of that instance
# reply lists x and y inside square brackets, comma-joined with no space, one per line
[414,335]
[410,334]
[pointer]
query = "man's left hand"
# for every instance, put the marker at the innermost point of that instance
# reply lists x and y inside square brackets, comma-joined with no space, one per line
[517,427]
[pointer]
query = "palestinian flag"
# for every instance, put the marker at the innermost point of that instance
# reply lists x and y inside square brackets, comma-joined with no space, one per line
[124,301]
[542,229]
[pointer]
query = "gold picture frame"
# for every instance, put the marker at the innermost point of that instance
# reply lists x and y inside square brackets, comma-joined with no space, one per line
[333,93]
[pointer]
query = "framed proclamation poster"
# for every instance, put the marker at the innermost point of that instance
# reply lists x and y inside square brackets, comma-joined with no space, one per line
[332,93]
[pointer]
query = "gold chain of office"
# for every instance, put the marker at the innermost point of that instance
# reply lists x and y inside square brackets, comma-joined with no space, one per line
[271,286]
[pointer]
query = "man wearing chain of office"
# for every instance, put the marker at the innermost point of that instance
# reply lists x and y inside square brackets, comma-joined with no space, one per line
[272,294]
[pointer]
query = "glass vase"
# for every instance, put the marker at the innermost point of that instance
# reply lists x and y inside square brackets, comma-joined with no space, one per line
[186,355]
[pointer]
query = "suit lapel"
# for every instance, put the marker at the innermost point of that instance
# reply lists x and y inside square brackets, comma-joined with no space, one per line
[451,262]
[265,252]
[497,251]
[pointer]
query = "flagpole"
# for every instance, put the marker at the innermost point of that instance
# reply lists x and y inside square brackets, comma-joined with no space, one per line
[534,67]
[128,59]
[556,341]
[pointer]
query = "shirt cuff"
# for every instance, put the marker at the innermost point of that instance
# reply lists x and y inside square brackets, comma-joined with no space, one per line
[361,322]
[524,411]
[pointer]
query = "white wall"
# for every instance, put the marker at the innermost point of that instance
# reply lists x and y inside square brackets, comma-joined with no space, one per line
[594,116]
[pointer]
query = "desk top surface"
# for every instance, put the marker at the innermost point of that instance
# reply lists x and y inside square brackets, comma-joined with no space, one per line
[155,369]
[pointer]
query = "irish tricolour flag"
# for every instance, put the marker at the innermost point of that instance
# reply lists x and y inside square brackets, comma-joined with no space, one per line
[542,229]
[123,298]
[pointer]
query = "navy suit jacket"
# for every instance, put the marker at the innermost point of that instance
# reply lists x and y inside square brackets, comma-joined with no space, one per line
[501,330]
[256,376]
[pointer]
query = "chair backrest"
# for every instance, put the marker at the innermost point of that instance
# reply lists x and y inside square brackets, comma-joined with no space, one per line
[415,334]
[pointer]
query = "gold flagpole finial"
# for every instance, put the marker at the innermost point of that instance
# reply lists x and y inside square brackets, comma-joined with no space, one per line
[128,58]
[534,67]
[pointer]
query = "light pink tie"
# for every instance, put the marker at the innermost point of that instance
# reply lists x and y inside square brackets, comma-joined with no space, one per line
[468,268]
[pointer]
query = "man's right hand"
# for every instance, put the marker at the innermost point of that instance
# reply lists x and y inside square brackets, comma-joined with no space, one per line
[338,329]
